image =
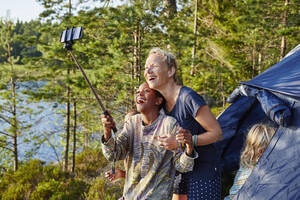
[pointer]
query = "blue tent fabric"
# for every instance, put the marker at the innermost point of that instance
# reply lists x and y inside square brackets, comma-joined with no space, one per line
[274,108]
[277,174]
[272,96]
[283,77]
[230,121]
[235,123]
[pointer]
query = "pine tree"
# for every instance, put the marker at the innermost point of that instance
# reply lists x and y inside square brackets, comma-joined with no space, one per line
[13,110]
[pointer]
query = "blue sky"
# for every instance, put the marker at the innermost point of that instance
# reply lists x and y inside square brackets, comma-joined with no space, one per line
[24,10]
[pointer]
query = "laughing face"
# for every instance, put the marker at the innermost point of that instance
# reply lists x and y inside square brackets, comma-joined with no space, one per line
[146,99]
[156,72]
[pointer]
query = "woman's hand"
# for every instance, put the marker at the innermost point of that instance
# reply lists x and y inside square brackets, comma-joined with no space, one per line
[172,142]
[118,174]
[185,136]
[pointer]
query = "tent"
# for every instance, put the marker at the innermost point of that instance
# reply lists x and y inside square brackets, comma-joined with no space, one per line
[272,97]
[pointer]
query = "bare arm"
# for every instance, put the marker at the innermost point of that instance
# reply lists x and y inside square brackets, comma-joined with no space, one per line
[208,121]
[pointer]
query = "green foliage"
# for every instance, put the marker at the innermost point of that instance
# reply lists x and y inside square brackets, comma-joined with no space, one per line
[90,162]
[234,41]
[33,180]
[100,189]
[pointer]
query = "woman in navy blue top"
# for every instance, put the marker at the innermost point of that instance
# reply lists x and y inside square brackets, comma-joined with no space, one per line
[197,121]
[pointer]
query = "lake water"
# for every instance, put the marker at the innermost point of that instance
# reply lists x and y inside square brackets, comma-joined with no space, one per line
[42,140]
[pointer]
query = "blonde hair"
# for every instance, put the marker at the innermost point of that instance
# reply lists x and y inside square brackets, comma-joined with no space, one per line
[258,138]
[168,57]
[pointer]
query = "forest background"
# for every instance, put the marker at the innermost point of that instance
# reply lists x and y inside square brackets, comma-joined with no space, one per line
[217,45]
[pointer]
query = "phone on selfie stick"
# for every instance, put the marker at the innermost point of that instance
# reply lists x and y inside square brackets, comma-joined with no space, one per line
[67,37]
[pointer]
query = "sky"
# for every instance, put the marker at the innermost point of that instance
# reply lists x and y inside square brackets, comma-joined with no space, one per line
[24,10]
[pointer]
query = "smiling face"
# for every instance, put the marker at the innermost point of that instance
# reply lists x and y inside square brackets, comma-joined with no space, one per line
[157,73]
[146,99]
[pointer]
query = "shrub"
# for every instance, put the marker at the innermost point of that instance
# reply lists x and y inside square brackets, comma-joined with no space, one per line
[35,181]
[89,163]
[103,190]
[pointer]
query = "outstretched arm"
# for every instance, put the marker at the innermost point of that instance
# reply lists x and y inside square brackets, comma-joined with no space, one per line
[122,140]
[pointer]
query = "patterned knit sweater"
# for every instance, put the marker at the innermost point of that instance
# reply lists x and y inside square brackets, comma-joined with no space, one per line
[150,169]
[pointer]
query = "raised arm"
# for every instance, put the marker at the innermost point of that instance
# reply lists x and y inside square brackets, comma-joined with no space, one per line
[122,140]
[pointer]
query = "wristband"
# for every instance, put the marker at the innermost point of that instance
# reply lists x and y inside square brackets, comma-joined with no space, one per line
[195,140]
[179,145]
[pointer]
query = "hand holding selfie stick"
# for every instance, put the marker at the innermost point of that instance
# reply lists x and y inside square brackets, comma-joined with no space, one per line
[67,37]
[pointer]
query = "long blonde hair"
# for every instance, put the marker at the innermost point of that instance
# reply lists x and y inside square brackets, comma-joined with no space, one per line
[258,139]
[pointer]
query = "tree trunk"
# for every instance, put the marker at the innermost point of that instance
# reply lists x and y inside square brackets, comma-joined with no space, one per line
[253,60]
[14,124]
[70,7]
[195,40]
[86,137]
[74,136]
[283,39]
[68,111]
[6,39]
[259,62]
[136,53]
[14,108]
[67,127]
[170,8]
[136,67]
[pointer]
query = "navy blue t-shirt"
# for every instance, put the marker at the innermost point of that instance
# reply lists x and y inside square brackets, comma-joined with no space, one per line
[185,111]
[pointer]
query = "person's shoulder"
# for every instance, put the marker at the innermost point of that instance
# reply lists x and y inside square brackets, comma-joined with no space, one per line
[186,91]
[188,94]
[169,120]
[133,119]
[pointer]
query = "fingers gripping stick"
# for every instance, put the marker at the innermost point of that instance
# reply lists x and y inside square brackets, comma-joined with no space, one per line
[113,170]
[106,113]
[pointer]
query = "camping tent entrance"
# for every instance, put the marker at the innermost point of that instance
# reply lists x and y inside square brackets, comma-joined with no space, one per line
[272,97]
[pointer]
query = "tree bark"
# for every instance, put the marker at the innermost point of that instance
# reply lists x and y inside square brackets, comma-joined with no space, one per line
[136,53]
[15,125]
[68,110]
[253,60]
[136,67]
[170,8]
[74,136]
[86,136]
[14,108]
[195,40]
[283,39]
[68,126]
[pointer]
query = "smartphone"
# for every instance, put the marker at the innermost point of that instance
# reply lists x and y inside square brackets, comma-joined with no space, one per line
[71,34]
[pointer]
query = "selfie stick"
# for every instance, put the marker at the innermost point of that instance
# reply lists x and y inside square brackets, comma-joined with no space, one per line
[68,45]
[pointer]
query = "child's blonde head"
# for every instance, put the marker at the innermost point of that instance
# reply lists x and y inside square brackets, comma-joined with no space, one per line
[257,141]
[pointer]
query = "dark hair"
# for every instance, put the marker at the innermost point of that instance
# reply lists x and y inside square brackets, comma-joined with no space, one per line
[158,94]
